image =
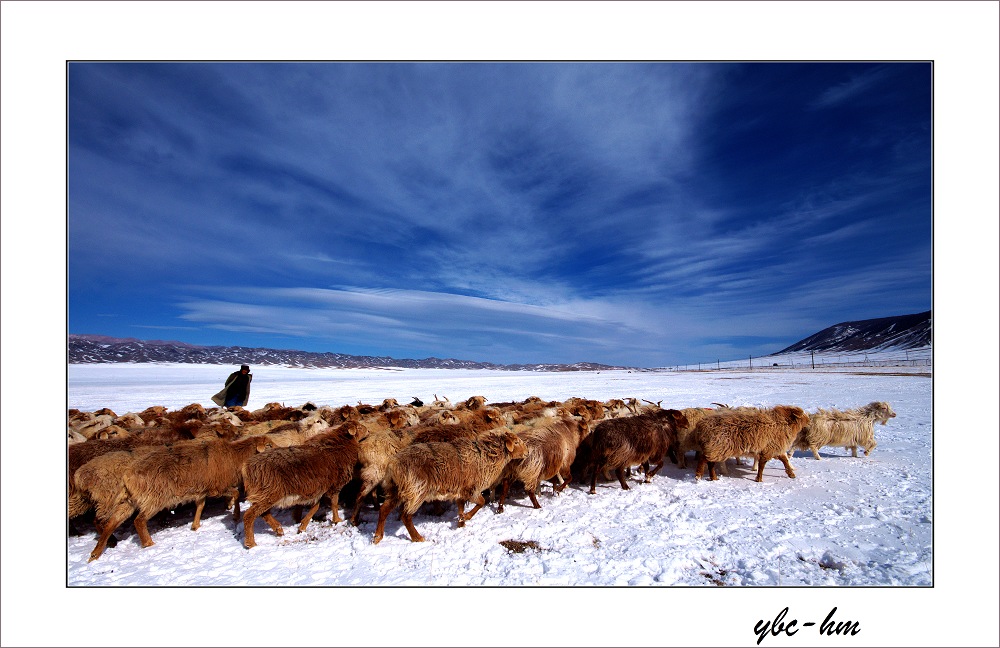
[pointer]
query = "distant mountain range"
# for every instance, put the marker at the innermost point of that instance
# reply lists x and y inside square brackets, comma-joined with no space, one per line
[900,332]
[84,349]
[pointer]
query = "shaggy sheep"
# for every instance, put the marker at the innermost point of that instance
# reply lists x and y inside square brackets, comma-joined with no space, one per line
[90,425]
[188,471]
[457,471]
[374,454]
[99,484]
[273,412]
[472,403]
[382,444]
[844,429]
[150,413]
[577,406]
[463,422]
[616,408]
[760,433]
[550,451]
[300,475]
[80,453]
[130,421]
[389,403]
[685,434]
[617,444]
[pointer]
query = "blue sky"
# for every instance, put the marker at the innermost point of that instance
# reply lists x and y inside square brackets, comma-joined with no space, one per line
[642,214]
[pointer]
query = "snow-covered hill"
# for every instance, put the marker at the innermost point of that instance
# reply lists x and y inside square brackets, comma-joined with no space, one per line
[884,333]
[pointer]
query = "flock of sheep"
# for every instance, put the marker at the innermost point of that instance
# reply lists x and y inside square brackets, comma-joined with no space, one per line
[405,455]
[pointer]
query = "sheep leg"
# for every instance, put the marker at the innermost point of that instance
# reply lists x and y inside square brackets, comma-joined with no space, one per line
[141,527]
[334,505]
[304,522]
[593,482]
[788,465]
[815,452]
[480,503]
[712,474]
[234,501]
[854,451]
[248,519]
[363,492]
[383,513]
[761,460]
[199,506]
[297,513]
[564,481]
[650,473]
[620,473]
[273,523]
[504,488]
[408,521]
[700,470]
[534,500]
[107,527]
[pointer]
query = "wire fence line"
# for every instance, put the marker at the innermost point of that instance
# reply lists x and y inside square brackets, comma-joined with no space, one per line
[922,357]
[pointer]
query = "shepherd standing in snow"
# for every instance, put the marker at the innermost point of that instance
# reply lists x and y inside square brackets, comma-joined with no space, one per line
[237,389]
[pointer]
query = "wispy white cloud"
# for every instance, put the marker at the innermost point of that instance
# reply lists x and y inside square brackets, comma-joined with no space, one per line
[854,87]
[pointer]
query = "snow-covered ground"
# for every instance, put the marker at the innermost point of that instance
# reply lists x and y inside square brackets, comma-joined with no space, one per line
[864,522]
[843,521]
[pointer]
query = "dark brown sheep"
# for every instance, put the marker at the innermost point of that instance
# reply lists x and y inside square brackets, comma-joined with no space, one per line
[617,444]
[457,471]
[300,475]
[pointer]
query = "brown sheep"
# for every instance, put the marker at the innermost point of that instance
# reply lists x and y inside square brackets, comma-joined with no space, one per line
[391,419]
[150,413]
[81,453]
[616,408]
[470,422]
[273,412]
[685,434]
[375,452]
[845,429]
[188,471]
[550,451]
[300,475]
[617,444]
[99,484]
[532,409]
[760,433]
[130,421]
[577,406]
[89,425]
[457,471]
[472,403]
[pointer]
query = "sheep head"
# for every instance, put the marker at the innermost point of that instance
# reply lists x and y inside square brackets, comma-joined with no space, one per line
[879,411]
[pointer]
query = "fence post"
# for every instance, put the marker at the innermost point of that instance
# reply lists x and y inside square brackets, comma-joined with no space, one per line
[751,363]
[812,354]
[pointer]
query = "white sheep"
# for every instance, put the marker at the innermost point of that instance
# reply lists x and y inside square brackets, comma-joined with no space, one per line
[845,429]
